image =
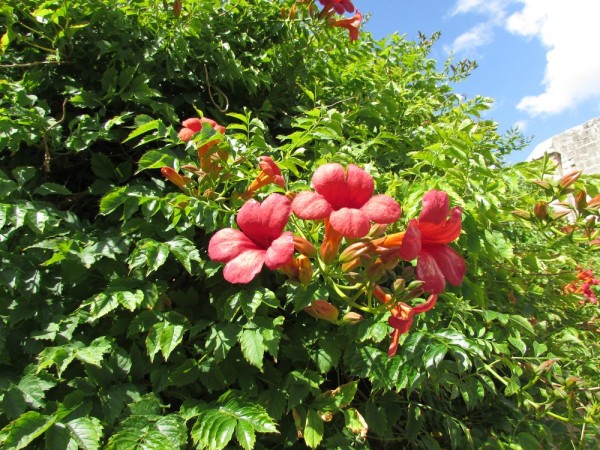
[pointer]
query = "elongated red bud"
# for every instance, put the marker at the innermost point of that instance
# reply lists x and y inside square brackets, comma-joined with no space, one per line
[542,183]
[305,270]
[178,180]
[581,200]
[303,246]
[352,318]
[595,202]
[522,214]
[569,178]
[320,309]
[541,209]
[355,250]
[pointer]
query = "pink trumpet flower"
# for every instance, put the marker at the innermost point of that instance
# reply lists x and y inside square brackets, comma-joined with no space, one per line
[259,241]
[345,199]
[428,237]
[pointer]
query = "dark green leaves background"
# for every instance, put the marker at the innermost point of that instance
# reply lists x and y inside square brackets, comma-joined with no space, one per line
[116,331]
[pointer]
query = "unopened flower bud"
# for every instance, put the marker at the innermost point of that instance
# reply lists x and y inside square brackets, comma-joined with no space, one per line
[355,250]
[522,214]
[375,271]
[320,309]
[177,8]
[178,180]
[377,229]
[595,202]
[542,183]
[569,179]
[305,270]
[352,318]
[541,209]
[381,295]
[303,246]
[398,285]
[581,200]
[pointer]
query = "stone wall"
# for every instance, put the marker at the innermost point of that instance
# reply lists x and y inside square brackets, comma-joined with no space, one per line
[577,148]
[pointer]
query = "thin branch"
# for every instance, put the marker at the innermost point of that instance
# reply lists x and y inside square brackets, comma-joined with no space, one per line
[47,155]
[218,90]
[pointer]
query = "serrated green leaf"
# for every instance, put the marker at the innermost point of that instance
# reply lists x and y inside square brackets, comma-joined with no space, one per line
[244,433]
[52,189]
[94,353]
[86,431]
[221,339]
[155,159]
[24,430]
[164,336]
[185,251]
[102,166]
[112,200]
[313,430]
[144,128]
[213,430]
[253,349]
[434,354]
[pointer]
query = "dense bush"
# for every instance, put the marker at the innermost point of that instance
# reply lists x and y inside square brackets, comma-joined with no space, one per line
[118,331]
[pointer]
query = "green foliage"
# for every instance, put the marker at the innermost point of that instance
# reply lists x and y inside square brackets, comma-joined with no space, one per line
[116,329]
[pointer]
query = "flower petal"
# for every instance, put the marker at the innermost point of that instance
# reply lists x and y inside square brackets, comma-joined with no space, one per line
[429,272]
[329,180]
[411,243]
[450,263]
[360,186]
[382,209]
[429,304]
[244,267]
[445,232]
[185,134]
[269,166]
[436,205]
[310,205]
[350,222]
[193,124]
[263,223]
[281,251]
[227,244]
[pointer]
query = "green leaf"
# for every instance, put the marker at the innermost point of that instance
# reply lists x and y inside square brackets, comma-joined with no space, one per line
[434,354]
[144,128]
[24,430]
[164,336]
[221,339]
[86,431]
[185,251]
[313,430]
[253,348]
[112,200]
[102,166]
[51,189]
[214,427]
[94,354]
[155,159]
[244,433]
[149,432]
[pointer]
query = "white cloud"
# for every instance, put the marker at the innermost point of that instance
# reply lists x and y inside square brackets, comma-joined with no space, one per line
[469,41]
[482,33]
[521,125]
[488,7]
[570,31]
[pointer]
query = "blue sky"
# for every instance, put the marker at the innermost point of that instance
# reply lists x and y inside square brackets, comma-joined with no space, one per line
[538,59]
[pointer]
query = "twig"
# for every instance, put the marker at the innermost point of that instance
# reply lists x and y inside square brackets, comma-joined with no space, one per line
[47,155]
[35,63]
[218,90]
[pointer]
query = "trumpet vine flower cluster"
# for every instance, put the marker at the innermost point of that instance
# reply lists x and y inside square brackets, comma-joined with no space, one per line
[334,233]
